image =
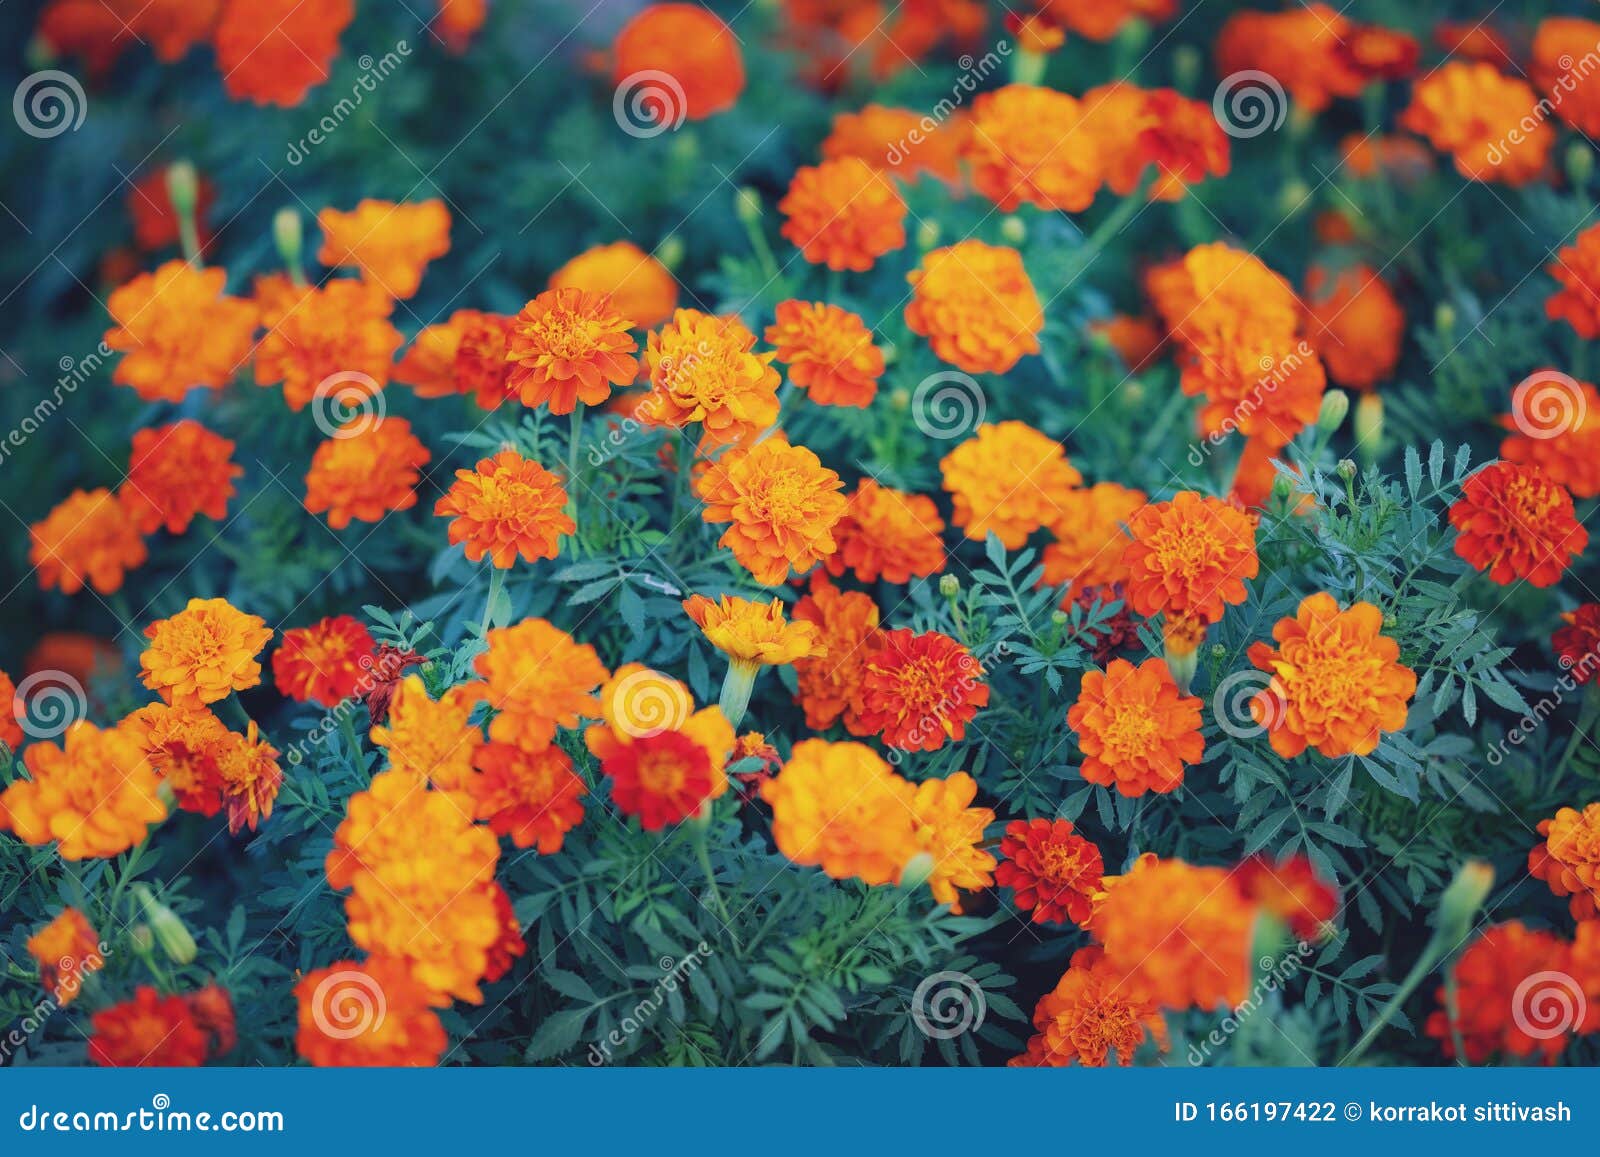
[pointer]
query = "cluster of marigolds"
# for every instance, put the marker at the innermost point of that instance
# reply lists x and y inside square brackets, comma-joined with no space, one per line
[472,765]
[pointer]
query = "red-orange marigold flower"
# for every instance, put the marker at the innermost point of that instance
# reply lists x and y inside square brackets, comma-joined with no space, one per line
[1291,890]
[1577,268]
[96,795]
[642,289]
[373,1014]
[1007,481]
[830,683]
[898,140]
[975,305]
[539,679]
[1493,1000]
[203,653]
[1355,324]
[275,51]
[532,796]
[702,369]
[1100,20]
[838,806]
[1135,129]
[177,331]
[829,352]
[919,691]
[1578,642]
[1054,872]
[390,244]
[336,339]
[509,507]
[1337,681]
[176,472]
[148,1030]
[1138,732]
[781,503]
[1189,557]
[1484,119]
[697,52]
[11,714]
[1315,51]
[67,949]
[1569,858]
[324,663]
[1555,426]
[1093,1011]
[86,539]
[367,470]
[1573,93]
[844,214]
[1089,527]
[1513,522]
[568,346]
[887,534]
[1031,145]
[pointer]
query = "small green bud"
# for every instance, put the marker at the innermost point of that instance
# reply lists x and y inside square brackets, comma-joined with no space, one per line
[141,939]
[1347,469]
[1187,64]
[1014,229]
[927,235]
[949,586]
[1458,906]
[670,251]
[900,399]
[1369,426]
[917,870]
[1335,405]
[1060,618]
[1580,163]
[168,929]
[747,205]
[1444,317]
[1218,651]
[183,187]
[288,234]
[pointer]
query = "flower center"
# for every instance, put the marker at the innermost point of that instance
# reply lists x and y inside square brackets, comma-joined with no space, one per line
[1132,731]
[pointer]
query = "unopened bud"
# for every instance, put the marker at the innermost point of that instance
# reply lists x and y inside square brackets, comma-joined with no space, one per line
[1369,426]
[1335,405]
[1014,229]
[183,187]
[670,251]
[949,586]
[1444,317]
[288,235]
[1060,618]
[927,235]
[1458,906]
[747,205]
[168,929]
[1346,469]
[917,870]
[1580,163]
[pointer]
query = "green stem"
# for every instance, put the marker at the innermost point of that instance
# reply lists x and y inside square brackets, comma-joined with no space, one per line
[1114,222]
[736,687]
[347,727]
[236,709]
[700,825]
[497,582]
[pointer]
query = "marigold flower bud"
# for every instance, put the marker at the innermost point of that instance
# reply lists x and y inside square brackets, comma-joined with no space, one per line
[1369,425]
[949,586]
[1014,229]
[1335,405]
[166,927]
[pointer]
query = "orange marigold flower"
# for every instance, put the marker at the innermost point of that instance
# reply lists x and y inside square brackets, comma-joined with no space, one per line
[538,679]
[697,52]
[391,244]
[1135,128]
[781,504]
[1316,52]
[96,795]
[1137,340]
[1189,557]
[275,51]
[458,21]
[1577,268]
[509,507]
[1479,116]
[176,472]
[1573,94]
[1181,931]
[178,330]
[830,683]
[898,140]
[367,470]
[1054,872]
[829,352]
[917,691]
[150,1030]
[511,945]
[754,634]
[1291,890]
[844,214]
[1136,729]
[1266,385]
[248,778]
[1492,998]
[641,288]
[11,714]
[203,653]
[374,1014]
[324,663]
[335,340]
[1354,324]
[1031,145]
[1577,643]
[211,1008]
[569,346]
[702,370]
[975,305]
[1008,481]
[1513,522]
[532,796]
[1555,427]
[1207,297]
[1100,20]
[1089,527]
[1569,858]
[838,806]
[186,746]
[463,355]
[1093,1012]
[430,739]
[429,363]
[887,534]
[67,949]
[950,832]
[86,539]
[1337,681]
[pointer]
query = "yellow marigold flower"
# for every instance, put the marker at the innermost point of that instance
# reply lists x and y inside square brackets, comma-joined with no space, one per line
[887,534]
[96,795]
[1337,681]
[1204,296]
[1569,858]
[829,352]
[538,678]
[838,806]
[203,653]
[844,214]
[641,288]
[430,738]
[366,471]
[390,244]
[753,634]
[702,370]
[1090,529]
[87,538]
[179,331]
[1138,732]
[950,831]
[568,346]
[509,507]
[781,502]
[1007,481]
[1030,145]
[975,305]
